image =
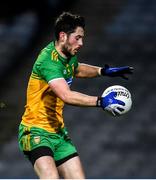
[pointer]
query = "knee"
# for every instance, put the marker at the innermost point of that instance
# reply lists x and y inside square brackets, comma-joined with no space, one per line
[48,174]
[45,168]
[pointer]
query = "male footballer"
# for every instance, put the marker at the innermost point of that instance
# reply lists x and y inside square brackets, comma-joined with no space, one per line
[43,137]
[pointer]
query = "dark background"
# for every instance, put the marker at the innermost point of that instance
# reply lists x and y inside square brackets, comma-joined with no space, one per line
[118,32]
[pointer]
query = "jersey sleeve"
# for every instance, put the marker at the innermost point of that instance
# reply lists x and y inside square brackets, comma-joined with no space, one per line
[49,69]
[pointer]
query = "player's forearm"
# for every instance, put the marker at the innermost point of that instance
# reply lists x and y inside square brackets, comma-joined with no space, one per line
[88,71]
[79,99]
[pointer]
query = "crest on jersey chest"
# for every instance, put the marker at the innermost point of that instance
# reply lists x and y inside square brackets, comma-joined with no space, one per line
[64,72]
[37,139]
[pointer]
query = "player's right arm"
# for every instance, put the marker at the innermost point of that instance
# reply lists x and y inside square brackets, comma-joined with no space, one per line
[63,91]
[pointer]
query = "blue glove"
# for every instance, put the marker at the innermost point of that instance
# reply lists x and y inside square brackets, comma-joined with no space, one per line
[110,104]
[117,71]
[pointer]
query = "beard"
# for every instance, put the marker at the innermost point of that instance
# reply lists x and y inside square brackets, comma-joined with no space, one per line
[66,51]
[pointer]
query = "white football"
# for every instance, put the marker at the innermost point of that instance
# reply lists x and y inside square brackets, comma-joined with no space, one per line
[123,94]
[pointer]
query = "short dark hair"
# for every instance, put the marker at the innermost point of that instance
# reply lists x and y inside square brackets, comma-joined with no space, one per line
[67,23]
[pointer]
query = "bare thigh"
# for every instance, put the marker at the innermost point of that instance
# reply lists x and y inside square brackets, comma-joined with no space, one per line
[72,169]
[45,168]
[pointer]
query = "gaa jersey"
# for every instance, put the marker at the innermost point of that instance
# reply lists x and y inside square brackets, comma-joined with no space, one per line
[44,109]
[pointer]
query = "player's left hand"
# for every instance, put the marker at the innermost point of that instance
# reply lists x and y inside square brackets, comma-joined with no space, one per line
[117,71]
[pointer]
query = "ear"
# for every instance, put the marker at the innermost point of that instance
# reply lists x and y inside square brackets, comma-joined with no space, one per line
[62,36]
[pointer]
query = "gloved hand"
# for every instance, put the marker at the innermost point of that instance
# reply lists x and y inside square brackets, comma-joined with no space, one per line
[116,71]
[109,100]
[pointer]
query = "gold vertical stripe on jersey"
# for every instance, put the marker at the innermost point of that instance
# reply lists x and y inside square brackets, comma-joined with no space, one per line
[54,55]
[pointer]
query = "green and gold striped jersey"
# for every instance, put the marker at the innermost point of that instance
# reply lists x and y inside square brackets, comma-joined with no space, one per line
[43,108]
